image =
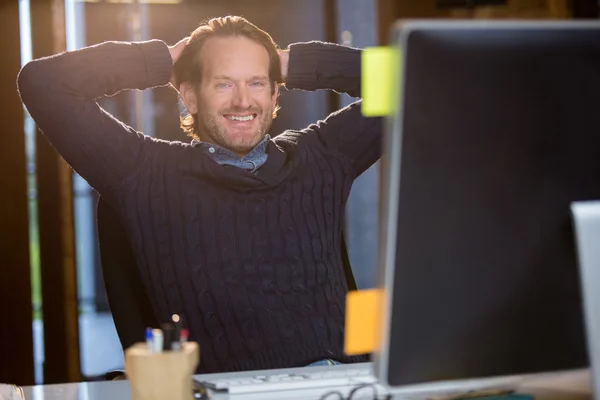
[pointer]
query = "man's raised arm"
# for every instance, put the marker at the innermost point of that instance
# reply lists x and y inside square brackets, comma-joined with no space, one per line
[318,65]
[346,132]
[60,93]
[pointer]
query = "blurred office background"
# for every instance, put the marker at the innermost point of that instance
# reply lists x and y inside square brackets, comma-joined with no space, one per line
[56,322]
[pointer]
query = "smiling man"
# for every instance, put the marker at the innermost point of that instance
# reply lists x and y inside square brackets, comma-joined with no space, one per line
[239,232]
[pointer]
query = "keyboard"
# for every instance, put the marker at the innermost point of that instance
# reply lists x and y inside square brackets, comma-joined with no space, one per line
[291,381]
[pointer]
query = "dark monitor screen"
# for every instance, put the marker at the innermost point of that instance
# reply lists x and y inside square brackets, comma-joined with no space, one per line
[497,133]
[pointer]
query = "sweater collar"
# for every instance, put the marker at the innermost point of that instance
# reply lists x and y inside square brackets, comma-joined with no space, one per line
[271,173]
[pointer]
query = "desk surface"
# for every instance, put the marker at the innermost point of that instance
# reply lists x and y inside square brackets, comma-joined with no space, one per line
[570,385]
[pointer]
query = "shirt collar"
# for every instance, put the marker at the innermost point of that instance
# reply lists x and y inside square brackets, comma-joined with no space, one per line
[251,161]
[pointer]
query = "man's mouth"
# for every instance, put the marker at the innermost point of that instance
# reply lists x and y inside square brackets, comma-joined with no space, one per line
[241,118]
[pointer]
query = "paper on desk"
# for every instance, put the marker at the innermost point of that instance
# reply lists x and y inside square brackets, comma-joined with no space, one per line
[11,392]
[363,321]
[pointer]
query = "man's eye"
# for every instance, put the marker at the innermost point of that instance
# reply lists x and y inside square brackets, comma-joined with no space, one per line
[223,85]
[258,84]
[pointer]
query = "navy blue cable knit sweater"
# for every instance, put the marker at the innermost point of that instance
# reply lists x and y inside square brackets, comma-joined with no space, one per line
[251,261]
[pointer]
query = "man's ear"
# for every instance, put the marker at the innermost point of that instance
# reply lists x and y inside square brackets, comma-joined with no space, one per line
[188,96]
[275,94]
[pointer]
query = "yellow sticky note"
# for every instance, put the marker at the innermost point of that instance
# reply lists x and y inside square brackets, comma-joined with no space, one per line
[380,69]
[363,321]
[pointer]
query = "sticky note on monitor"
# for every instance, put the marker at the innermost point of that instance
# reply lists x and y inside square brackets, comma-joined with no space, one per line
[380,71]
[363,321]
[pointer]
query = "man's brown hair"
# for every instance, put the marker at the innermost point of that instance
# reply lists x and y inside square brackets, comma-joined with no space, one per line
[188,67]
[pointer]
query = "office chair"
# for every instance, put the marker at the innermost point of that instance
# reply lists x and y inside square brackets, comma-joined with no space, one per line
[127,298]
[350,281]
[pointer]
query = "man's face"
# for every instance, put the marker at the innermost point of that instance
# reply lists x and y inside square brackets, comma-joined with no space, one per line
[234,103]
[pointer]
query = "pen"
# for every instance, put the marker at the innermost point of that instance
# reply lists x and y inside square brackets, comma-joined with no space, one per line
[149,339]
[177,332]
[157,340]
[167,330]
[183,336]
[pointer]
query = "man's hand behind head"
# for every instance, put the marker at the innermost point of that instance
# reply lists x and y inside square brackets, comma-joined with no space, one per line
[284,57]
[176,51]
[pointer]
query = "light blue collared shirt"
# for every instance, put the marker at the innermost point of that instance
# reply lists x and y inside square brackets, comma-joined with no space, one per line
[250,162]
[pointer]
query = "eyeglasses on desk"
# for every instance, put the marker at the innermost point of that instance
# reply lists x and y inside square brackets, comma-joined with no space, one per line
[362,392]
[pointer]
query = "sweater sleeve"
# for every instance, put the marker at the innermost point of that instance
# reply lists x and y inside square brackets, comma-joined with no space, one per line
[346,132]
[60,93]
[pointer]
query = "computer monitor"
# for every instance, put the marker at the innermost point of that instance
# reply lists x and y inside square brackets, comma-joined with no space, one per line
[496,133]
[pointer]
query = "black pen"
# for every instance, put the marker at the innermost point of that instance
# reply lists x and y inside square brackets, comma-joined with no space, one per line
[177,332]
[167,330]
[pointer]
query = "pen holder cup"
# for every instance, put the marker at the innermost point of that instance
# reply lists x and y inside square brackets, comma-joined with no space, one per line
[160,376]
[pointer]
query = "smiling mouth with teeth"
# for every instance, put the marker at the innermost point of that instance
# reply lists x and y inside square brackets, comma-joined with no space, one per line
[240,118]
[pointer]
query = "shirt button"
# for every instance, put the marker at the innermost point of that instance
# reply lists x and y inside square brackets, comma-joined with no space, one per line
[211,150]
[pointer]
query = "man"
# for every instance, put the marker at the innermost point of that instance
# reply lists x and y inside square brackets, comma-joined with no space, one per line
[237,231]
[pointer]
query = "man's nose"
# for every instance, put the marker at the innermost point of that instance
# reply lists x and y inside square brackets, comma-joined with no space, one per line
[241,97]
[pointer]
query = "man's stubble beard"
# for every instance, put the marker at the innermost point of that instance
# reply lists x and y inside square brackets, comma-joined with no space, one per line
[209,129]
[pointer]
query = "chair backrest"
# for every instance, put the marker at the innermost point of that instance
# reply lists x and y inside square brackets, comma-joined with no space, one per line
[129,303]
[350,281]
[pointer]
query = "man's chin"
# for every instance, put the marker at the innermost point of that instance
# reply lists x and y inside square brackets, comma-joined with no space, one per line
[244,147]
[241,145]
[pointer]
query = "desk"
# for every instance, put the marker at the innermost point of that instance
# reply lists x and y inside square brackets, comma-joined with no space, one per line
[572,385]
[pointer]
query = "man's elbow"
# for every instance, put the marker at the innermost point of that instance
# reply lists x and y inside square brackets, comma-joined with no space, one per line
[28,80]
